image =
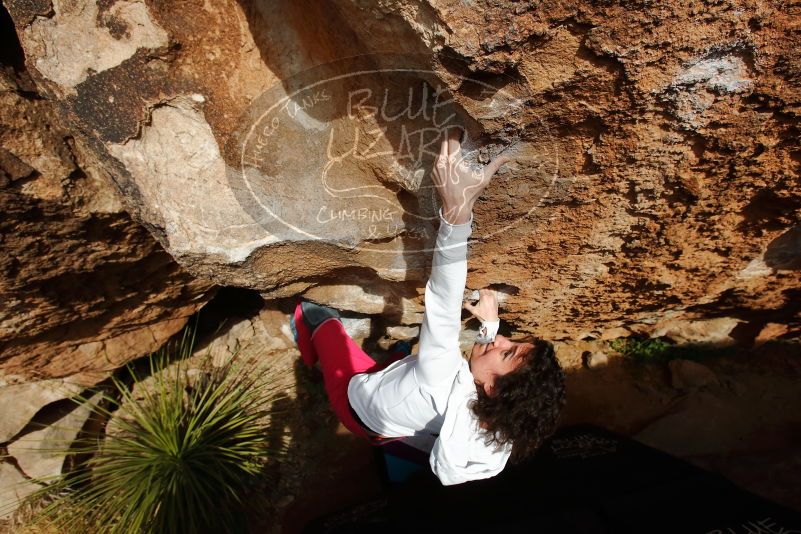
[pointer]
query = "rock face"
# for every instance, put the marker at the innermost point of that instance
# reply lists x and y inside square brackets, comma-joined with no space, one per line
[27,399]
[657,148]
[687,374]
[40,454]
[150,150]
[14,487]
[84,288]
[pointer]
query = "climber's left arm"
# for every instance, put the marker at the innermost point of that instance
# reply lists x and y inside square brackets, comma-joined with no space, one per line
[458,187]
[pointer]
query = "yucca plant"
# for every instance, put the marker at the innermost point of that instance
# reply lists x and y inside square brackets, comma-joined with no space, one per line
[179,455]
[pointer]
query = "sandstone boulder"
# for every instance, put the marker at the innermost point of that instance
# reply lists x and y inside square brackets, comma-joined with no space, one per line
[655,151]
[700,424]
[22,401]
[404,333]
[687,374]
[84,289]
[40,454]
[715,331]
[369,300]
[14,488]
[595,360]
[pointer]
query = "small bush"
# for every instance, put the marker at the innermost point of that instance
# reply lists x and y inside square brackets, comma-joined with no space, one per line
[180,457]
[641,350]
[659,350]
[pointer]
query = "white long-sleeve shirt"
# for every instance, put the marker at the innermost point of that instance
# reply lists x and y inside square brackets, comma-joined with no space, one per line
[428,393]
[487,332]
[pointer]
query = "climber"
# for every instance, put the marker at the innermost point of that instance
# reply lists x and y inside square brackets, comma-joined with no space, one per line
[500,404]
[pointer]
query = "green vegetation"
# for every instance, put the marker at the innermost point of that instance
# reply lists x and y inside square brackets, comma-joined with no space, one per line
[180,454]
[660,350]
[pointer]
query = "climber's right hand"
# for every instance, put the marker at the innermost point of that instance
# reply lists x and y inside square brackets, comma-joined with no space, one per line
[487,307]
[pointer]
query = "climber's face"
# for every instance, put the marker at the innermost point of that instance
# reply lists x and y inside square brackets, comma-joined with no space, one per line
[502,356]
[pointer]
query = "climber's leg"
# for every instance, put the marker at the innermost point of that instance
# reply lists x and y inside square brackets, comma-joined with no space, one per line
[340,358]
[321,337]
[305,319]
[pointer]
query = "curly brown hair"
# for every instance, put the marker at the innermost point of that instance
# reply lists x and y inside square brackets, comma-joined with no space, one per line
[525,405]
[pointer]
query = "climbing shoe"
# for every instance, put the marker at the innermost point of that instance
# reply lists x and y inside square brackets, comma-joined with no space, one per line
[304,321]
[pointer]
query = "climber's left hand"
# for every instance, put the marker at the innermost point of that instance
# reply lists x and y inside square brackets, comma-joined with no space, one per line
[458,185]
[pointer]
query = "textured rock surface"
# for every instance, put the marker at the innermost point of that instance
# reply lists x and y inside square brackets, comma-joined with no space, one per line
[40,454]
[268,332]
[594,360]
[373,300]
[69,50]
[676,128]
[27,399]
[656,188]
[84,288]
[705,423]
[13,488]
[687,374]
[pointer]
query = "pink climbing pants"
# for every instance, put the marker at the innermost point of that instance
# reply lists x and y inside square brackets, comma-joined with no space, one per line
[340,358]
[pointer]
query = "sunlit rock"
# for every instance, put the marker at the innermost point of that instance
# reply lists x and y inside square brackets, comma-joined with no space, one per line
[27,399]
